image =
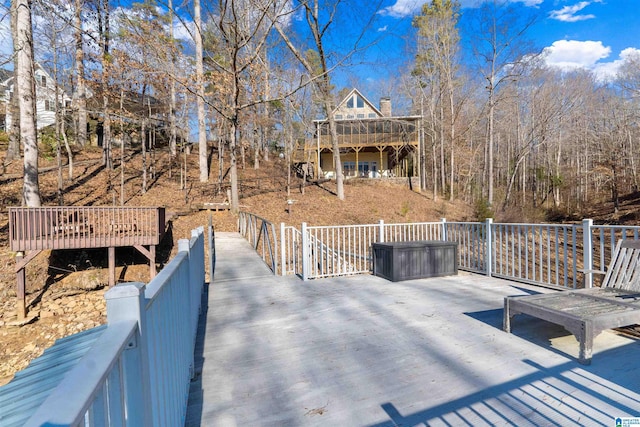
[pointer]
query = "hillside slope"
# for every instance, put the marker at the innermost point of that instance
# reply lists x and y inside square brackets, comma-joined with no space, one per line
[65,288]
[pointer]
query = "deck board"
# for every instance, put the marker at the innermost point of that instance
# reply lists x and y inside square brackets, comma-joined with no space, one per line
[362,351]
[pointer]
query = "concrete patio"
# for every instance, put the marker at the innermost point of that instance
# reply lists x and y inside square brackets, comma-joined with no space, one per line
[363,351]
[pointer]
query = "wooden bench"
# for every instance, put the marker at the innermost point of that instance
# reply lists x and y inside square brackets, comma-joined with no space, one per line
[587,312]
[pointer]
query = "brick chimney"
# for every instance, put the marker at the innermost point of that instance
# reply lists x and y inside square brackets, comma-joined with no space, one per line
[385,106]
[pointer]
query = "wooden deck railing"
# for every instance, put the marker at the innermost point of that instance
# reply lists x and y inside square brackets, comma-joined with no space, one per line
[73,227]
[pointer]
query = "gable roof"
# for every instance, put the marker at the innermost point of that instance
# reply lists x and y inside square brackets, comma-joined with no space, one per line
[357,92]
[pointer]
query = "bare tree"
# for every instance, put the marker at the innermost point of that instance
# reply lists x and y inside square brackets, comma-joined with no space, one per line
[13,150]
[499,46]
[172,101]
[438,56]
[320,18]
[239,32]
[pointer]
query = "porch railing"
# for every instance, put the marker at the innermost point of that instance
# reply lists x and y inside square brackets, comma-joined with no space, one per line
[552,255]
[290,250]
[138,371]
[73,227]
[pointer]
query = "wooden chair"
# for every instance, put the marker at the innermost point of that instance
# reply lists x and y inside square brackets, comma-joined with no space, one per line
[587,312]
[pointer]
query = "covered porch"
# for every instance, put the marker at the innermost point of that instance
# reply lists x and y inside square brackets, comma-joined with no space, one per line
[369,147]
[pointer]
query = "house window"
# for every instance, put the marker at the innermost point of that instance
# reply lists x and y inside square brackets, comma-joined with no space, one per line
[365,169]
[338,116]
[42,80]
[372,115]
[349,168]
[349,116]
[361,116]
[355,101]
[48,105]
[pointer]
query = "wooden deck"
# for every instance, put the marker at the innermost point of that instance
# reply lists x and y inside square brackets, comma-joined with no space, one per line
[32,230]
[363,351]
[76,227]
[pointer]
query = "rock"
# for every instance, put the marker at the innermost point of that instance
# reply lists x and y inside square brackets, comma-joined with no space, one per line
[30,318]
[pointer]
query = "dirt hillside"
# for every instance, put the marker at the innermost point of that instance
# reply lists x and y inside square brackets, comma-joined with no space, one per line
[65,288]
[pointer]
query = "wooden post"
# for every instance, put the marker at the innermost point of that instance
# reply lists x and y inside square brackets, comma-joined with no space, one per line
[112,266]
[21,278]
[152,262]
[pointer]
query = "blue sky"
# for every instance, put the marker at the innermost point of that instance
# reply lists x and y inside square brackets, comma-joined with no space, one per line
[591,34]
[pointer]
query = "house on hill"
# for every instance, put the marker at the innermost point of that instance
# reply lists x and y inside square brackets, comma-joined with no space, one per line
[45,98]
[129,108]
[372,141]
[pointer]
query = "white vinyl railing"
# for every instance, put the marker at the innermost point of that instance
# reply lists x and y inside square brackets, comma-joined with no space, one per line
[138,371]
[291,250]
[472,248]
[552,255]
[542,254]
[337,250]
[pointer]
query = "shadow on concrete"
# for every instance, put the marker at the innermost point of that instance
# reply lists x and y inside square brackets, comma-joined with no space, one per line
[514,399]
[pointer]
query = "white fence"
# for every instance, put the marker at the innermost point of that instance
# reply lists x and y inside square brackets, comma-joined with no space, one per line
[138,371]
[553,255]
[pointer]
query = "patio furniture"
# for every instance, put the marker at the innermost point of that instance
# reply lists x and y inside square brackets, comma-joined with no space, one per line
[587,312]
[418,259]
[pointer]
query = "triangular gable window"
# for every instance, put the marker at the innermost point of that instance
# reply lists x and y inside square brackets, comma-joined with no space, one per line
[355,102]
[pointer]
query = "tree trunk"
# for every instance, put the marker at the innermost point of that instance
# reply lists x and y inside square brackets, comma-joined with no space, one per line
[79,97]
[202,135]
[235,199]
[25,80]
[13,150]
[172,102]
[490,150]
[143,135]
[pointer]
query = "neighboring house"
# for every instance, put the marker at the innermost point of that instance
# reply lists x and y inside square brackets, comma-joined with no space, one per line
[45,96]
[373,142]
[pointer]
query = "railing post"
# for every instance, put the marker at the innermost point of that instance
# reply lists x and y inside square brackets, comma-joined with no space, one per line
[381,232]
[184,246]
[305,251]
[283,254]
[587,241]
[126,302]
[212,250]
[443,221]
[488,246]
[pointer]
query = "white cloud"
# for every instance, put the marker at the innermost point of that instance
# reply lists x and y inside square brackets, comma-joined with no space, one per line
[575,54]
[382,29]
[404,8]
[588,55]
[570,13]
